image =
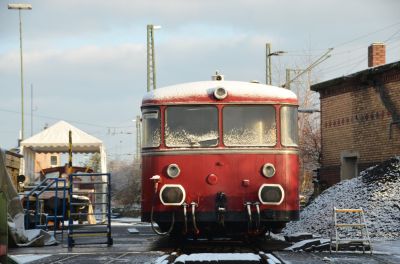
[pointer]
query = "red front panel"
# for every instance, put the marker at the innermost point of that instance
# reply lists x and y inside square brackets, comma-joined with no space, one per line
[231,169]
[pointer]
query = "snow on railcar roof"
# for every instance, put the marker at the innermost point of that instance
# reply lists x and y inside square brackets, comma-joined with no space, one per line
[206,88]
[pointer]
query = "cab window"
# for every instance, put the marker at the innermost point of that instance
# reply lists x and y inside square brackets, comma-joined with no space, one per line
[249,125]
[289,126]
[151,128]
[191,126]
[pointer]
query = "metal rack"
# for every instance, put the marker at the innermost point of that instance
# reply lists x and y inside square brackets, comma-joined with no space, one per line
[362,240]
[101,201]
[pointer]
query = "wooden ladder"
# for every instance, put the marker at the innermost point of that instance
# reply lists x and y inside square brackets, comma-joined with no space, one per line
[362,240]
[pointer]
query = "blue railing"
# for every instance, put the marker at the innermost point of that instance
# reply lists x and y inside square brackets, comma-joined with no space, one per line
[45,186]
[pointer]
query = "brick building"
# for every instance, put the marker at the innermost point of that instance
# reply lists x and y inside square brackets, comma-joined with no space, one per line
[360,118]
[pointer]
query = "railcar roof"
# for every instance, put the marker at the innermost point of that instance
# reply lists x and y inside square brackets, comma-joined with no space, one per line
[202,92]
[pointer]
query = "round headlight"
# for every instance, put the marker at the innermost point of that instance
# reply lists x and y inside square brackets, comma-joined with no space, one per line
[268,170]
[271,194]
[220,93]
[173,170]
[172,194]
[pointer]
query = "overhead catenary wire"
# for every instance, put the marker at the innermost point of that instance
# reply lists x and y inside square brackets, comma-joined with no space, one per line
[321,59]
[359,58]
[366,35]
[394,34]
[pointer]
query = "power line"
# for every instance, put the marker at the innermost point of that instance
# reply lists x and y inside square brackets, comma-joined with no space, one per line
[336,46]
[395,33]
[68,120]
[345,64]
[366,35]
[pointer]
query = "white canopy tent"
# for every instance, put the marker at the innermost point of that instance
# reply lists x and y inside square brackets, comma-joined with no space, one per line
[55,139]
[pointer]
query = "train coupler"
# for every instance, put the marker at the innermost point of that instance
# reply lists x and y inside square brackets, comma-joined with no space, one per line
[220,204]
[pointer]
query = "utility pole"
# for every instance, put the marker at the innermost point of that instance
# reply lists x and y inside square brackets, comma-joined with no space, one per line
[288,78]
[31,109]
[151,64]
[268,62]
[268,77]
[20,7]
[138,139]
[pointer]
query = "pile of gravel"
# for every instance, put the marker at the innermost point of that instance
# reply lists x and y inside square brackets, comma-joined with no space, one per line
[376,190]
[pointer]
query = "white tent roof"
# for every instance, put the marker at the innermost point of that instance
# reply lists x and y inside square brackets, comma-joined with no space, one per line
[56,139]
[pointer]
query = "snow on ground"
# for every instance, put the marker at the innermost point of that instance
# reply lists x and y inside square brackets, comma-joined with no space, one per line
[21,259]
[216,257]
[376,190]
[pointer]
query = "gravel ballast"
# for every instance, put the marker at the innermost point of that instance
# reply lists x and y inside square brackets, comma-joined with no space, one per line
[376,190]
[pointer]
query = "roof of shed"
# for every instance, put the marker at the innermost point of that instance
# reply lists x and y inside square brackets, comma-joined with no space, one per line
[364,74]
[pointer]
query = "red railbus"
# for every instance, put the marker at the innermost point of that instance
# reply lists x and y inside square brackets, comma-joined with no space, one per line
[219,157]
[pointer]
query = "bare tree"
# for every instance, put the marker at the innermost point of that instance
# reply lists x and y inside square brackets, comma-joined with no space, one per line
[126,183]
[309,133]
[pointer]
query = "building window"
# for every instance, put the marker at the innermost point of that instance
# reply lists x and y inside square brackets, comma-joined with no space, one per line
[53,161]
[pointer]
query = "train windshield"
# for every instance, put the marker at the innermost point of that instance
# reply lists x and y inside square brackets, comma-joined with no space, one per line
[289,133]
[191,126]
[249,125]
[151,128]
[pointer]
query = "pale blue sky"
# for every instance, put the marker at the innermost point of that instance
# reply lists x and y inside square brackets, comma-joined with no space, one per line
[87,59]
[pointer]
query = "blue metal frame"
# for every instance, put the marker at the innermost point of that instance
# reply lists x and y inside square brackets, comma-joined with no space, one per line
[90,233]
[37,191]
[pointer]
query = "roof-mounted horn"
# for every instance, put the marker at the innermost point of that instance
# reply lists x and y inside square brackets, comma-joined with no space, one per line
[217,77]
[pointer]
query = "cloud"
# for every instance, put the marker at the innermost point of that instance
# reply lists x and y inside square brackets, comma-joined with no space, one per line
[87,59]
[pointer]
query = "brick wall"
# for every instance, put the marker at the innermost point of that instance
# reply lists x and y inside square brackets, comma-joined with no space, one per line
[355,117]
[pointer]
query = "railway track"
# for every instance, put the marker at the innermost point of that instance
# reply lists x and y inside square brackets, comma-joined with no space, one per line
[146,247]
[222,251]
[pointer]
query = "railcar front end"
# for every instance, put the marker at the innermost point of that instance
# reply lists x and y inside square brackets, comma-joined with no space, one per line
[219,157]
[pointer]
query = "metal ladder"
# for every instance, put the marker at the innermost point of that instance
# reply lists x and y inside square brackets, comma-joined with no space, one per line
[100,193]
[362,239]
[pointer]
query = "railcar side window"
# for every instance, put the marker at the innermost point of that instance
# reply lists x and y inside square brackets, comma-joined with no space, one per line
[191,126]
[249,125]
[151,128]
[289,126]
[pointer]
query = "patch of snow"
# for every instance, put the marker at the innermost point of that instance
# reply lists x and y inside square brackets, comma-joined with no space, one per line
[133,231]
[250,137]
[162,260]
[376,191]
[127,219]
[215,257]
[26,258]
[183,138]
[204,89]
[120,224]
